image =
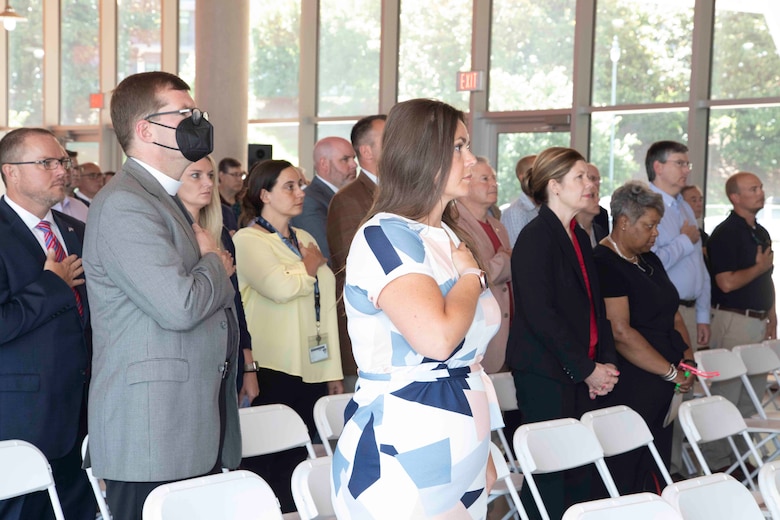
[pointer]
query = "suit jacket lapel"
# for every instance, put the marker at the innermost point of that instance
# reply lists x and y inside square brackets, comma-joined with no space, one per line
[17,226]
[73,243]
[155,189]
[562,238]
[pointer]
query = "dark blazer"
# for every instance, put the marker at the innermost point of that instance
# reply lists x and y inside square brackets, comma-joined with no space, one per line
[551,327]
[44,355]
[602,219]
[347,210]
[315,213]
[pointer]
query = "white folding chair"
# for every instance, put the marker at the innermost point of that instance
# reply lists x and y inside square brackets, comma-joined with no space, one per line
[504,384]
[507,485]
[760,360]
[713,418]
[620,429]
[558,445]
[712,497]
[95,483]
[329,418]
[24,469]
[769,484]
[311,489]
[272,428]
[773,389]
[640,506]
[236,495]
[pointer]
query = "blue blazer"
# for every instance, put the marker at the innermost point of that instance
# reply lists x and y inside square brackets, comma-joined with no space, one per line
[314,217]
[44,356]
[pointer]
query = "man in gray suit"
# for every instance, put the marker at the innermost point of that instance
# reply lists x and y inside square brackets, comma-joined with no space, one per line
[163,403]
[335,167]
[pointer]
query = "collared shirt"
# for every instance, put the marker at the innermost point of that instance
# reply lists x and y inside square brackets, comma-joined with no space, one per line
[73,207]
[31,221]
[732,247]
[80,195]
[371,176]
[683,260]
[170,185]
[328,184]
[518,215]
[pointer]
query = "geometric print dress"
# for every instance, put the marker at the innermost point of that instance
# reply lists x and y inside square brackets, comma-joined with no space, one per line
[417,431]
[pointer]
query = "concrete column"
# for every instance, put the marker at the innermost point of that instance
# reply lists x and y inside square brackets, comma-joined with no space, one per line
[222,73]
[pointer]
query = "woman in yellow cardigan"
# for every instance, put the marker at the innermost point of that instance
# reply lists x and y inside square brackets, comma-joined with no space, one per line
[289,297]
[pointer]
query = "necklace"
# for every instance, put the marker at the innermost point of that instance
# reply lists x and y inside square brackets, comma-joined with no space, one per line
[633,259]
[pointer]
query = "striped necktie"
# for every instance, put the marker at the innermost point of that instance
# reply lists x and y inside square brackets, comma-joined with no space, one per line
[59,255]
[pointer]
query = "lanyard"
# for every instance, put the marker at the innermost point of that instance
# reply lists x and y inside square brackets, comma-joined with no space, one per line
[292,243]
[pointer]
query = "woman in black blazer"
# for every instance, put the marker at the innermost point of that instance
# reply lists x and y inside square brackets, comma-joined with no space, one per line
[560,348]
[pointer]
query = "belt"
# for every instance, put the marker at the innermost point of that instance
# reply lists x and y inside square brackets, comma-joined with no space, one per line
[688,303]
[750,313]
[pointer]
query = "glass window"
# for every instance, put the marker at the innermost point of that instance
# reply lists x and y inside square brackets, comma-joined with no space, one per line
[348,69]
[80,61]
[746,50]
[743,139]
[531,54]
[514,146]
[642,52]
[434,44]
[623,158]
[335,128]
[282,136]
[88,151]
[274,59]
[25,66]
[187,41]
[138,37]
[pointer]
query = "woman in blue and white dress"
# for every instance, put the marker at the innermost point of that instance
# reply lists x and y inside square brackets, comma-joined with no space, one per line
[417,434]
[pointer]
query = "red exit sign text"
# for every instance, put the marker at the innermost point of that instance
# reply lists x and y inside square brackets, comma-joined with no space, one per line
[470,81]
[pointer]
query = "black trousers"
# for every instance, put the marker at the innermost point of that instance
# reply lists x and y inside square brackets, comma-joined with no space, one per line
[541,399]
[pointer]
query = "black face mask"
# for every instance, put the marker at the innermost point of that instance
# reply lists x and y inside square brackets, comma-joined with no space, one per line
[195,141]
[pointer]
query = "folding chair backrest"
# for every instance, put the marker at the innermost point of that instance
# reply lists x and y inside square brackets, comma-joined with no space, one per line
[712,497]
[557,445]
[774,344]
[620,429]
[720,360]
[24,469]
[311,489]
[272,428]
[769,483]
[640,506]
[95,484]
[329,417]
[758,358]
[235,495]
[710,418]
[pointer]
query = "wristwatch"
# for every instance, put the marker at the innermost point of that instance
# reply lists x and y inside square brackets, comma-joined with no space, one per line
[479,273]
[251,367]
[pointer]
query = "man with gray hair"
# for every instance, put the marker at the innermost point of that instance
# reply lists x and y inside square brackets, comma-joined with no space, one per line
[335,167]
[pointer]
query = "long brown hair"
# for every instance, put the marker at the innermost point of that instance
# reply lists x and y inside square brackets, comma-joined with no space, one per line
[417,151]
[262,176]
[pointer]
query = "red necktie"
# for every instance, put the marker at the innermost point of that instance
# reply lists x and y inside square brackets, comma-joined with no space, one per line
[59,255]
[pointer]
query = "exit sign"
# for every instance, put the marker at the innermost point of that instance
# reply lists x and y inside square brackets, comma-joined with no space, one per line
[470,81]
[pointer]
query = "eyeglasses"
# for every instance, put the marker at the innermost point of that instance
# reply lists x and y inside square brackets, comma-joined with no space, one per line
[683,164]
[93,176]
[195,113]
[49,164]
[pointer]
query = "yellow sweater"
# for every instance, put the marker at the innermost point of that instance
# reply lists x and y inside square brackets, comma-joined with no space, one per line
[278,297]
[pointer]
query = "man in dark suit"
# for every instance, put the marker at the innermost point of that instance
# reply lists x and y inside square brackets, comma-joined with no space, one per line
[44,355]
[347,210]
[335,167]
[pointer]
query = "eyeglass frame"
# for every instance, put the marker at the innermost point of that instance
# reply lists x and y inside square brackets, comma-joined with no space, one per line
[681,163]
[196,114]
[93,175]
[65,162]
